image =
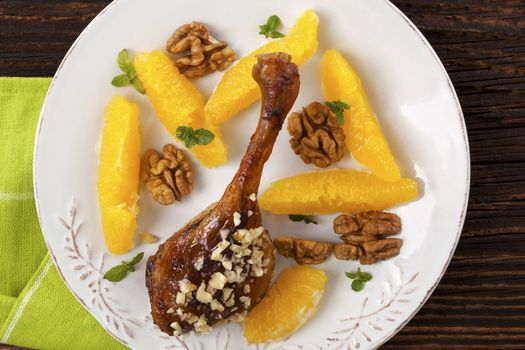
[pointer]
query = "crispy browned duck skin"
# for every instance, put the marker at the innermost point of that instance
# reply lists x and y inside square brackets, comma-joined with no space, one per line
[175,260]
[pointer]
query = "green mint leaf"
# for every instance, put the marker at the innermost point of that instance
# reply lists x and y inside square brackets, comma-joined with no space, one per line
[276,35]
[129,76]
[270,28]
[357,285]
[120,80]
[364,276]
[343,104]
[137,84]
[359,279]
[338,107]
[192,137]
[351,275]
[264,30]
[203,136]
[307,219]
[191,142]
[185,134]
[340,118]
[117,273]
[273,22]
[136,259]
[124,62]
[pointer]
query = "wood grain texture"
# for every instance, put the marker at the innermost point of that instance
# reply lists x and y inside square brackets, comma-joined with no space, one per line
[480,303]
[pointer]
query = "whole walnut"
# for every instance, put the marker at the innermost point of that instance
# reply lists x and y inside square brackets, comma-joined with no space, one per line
[316,136]
[167,178]
[197,52]
[304,251]
[364,236]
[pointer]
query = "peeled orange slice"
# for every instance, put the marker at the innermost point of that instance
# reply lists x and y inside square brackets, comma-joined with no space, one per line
[364,137]
[118,174]
[290,302]
[177,102]
[237,90]
[335,191]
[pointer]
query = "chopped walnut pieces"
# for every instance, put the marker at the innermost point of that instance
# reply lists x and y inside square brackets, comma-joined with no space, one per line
[199,263]
[216,306]
[168,178]
[364,239]
[218,280]
[316,136]
[177,330]
[180,298]
[236,219]
[222,293]
[238,317]
[203,296]
[247,289]
[185,286]
[201,325]
[197,52]
[146,237]
[226,293]
[304,251]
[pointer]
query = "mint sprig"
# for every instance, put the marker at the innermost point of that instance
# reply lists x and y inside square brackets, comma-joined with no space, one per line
[307,219]
[119,272]
[192,137]
[270,28]
[129,76]
[359,278]
[338,107]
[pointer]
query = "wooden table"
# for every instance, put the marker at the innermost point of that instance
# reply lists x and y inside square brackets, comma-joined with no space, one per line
[480,303]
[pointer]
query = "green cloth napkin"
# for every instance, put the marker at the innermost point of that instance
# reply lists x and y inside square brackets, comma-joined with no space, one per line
[36,308]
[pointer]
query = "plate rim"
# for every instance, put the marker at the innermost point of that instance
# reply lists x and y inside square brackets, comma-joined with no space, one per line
[464,135]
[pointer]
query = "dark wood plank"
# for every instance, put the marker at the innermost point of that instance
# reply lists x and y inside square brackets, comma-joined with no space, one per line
[480,303]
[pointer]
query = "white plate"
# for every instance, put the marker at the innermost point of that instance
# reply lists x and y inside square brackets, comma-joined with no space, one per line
[408,88]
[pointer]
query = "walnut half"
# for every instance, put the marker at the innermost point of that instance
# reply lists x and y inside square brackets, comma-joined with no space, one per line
[304,251]
[316,136]
[197,52]
[364,236]
[167,178]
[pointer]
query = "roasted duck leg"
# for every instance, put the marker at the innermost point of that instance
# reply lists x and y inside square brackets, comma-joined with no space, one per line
[221,263]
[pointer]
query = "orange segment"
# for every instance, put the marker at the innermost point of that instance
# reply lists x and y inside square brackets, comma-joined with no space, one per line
[119,225]
[177,102]
[237,89]
[290,302]
[364,138]
[118,174]
[335,191]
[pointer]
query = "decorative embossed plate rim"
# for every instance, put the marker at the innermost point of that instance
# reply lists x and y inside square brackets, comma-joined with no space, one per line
[397,286]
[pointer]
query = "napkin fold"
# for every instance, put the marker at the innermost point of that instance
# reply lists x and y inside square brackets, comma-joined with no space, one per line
[36,308]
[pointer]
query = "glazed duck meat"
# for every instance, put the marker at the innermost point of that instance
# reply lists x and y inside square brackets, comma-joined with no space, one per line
[221,263]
